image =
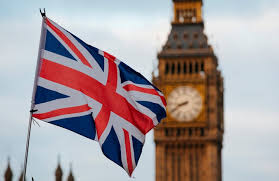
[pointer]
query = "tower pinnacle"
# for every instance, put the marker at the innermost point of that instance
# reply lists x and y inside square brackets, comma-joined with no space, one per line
[187,11]
[71,177]
[58,172]
[8,173]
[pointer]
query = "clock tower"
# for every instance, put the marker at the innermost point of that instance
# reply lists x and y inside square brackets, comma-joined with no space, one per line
[189,141]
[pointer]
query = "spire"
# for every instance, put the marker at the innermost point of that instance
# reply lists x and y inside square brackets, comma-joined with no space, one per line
[70,177]
[21,177]
[58,171]
[8,172]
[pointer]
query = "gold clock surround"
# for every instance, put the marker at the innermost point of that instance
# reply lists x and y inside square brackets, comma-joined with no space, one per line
[184,103]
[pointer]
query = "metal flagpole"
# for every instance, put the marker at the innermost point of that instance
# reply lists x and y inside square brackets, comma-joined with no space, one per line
[27,145]
[41,46]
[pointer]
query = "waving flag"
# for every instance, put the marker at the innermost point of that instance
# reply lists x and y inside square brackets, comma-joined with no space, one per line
[92,93]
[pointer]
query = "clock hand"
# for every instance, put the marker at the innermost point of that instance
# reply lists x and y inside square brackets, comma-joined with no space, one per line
[179,105]
[183,103]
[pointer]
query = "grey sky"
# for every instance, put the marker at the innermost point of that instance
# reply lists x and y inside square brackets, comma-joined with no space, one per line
[244,35]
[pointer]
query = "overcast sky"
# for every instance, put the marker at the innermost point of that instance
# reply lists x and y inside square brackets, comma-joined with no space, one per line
[245,38]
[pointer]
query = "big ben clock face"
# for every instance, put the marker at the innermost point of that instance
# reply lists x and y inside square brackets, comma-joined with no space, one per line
[184,103]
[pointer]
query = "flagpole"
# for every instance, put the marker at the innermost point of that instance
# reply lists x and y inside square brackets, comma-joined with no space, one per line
[41,46]
[27,146]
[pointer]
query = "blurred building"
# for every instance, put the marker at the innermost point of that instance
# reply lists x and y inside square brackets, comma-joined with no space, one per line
[189,141]
[8,175]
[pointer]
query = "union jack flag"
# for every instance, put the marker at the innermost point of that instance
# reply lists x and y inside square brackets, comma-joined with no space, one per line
[92,93]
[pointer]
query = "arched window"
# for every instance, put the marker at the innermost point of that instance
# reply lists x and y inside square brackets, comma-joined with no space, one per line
[196,67]
[172,68]
[166,132]
[196,35]
[185,35]
[178,68]
[202,67]
[178,132]
[184,68]
[167,68]
[190,68]
[190,132]
[202,132]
